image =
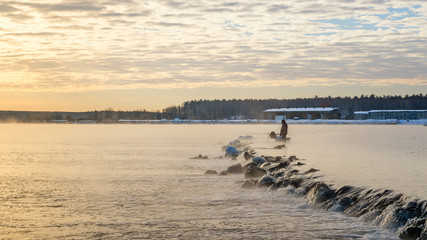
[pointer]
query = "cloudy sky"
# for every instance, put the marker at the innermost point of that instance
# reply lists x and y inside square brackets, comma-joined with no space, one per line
[131,54]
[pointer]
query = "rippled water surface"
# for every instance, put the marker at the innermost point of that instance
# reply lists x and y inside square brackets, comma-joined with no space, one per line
[138,181]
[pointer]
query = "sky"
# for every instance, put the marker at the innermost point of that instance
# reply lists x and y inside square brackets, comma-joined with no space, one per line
[66,55]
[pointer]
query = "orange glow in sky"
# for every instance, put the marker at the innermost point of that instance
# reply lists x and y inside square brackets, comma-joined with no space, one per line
[128,55]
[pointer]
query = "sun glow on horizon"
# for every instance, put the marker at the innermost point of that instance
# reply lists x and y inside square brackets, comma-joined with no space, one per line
[96,46]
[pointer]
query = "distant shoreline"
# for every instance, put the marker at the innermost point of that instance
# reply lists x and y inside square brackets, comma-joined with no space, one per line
[248,121]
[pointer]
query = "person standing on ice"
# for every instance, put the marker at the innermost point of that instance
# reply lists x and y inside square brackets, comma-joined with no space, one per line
[284,130]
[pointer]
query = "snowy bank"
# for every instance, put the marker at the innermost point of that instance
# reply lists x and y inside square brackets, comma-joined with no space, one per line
[291,121]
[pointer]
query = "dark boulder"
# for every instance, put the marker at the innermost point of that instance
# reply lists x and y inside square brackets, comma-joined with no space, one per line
[423,235]
[251,183]
[292,172]
[281,165]
[231,151]
[266,181]
[296,182]
[342,204]
[247,155]
[200,156]
[265,165]
[235,169]
[280,183]
[413,229]
[252,171]
[269,158]
[399,216]
[211,172]
[258,160]
[311,170]
[320,193]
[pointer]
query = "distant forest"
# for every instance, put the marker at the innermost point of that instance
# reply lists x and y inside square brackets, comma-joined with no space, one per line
[226,109]
[253,108]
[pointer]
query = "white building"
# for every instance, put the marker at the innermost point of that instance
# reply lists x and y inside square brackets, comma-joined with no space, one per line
[302,113]
[391,114]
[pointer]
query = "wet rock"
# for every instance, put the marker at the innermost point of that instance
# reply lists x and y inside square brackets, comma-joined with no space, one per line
[413,229]
[280,183]
[200,156]
[367,202]
[279,146]
[258,160]
[345,197]
[279,174]
[320,193]
[423,235]
[235,169]
[266,181]
[311,170]
[296,182]
[265,165]
[344,190]
[235,143]
[380,207]
[252,171]
[396,216]
[211,172]
[292,172]
[279,166]
[246,138]
[342,204]
[251,183]
[223,173]
[269,158]
[231,151]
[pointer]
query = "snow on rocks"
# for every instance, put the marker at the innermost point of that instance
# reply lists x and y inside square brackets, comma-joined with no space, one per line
[405,216]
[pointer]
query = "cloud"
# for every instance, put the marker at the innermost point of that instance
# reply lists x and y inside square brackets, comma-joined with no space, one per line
[116,14]
[231,4]
[80,45]
[72,27]
[218,10]
[175,4]
[86,6]
[167,24]
[277,8]
[33,34]
[7,9]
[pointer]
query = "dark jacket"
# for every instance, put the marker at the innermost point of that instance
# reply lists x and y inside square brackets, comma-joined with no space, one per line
[284,129]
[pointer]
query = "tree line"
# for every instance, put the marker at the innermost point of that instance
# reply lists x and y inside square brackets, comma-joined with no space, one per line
[226,109]
[108,115]
[253,108]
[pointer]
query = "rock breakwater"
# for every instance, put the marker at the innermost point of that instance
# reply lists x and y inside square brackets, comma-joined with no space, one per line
[404,215]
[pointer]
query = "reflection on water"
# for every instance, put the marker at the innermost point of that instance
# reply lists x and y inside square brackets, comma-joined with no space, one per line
[137,181]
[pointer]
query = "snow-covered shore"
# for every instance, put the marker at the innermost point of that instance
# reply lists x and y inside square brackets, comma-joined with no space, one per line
[257,121]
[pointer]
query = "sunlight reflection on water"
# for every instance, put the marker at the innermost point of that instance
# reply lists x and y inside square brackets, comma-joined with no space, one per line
[137,181]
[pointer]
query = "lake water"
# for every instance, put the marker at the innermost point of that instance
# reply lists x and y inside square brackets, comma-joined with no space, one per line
[138,181]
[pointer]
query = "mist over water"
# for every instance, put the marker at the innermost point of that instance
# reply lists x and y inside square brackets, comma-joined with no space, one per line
[372,156]
[138,181]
